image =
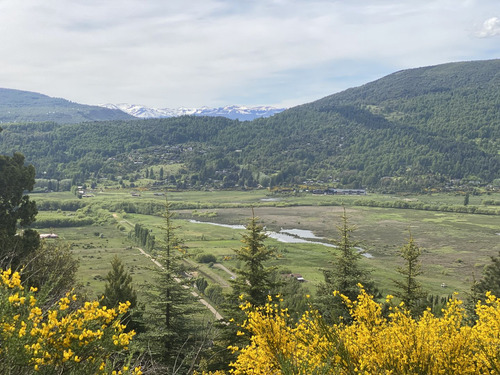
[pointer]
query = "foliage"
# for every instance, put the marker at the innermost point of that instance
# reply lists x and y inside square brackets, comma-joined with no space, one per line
[143,237]
[26,106]
[490,280]
[172,336]
[16,210]
[206,258]
[51,269]
[410,291]
[373,343]
[254,281]
[119,288]
[343,276]
[71,337]
[404,132]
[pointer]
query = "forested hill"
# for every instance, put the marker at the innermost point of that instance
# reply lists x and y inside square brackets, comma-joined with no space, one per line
[411,130]
[26,106]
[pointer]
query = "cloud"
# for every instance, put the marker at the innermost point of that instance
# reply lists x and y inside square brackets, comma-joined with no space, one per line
[491,27]
[214,52]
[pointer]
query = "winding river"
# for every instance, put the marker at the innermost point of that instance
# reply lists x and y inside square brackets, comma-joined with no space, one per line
[286,235]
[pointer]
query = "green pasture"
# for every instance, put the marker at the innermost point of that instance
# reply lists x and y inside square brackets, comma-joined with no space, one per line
[455,246]
[94,247]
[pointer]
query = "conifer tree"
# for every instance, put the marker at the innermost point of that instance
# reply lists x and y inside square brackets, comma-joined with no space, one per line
[409,289]
[254,282]
[119,287]
[172,336]
[490,280]
[344,275]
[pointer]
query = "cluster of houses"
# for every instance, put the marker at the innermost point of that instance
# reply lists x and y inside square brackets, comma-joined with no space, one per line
[333,191]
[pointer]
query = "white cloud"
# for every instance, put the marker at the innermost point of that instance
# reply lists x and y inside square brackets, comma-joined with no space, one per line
[491,27]
[199,52]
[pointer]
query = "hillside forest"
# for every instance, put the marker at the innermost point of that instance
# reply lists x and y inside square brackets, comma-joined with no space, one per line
[433,127]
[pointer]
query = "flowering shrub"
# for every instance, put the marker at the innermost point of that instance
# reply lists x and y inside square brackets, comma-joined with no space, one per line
[68,338]
[373,343]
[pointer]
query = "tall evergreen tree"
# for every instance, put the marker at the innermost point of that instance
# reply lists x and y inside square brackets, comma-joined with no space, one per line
[344,275]
[255,280]
[119,288]
[254,283]
[409,290]
[490,280]
[173,336]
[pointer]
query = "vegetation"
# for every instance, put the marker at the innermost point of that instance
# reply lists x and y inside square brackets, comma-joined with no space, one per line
[173,335]
[71,337]
[373,343]
[254,281]
[24,106]
[120,289]
[100,189]
[491,277]
[410,291]
[343,277]
[410,131]
[16,210]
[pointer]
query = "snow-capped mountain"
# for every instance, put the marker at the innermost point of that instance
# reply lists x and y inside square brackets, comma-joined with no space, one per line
[233,112]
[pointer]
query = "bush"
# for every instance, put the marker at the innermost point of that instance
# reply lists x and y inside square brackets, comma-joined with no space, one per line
[206,258]
[70,337]
[374,343]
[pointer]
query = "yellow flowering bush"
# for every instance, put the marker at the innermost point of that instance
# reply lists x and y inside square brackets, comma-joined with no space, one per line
[69,337]
[373,343]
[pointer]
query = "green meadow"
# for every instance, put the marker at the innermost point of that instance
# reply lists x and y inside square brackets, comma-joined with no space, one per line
[455,246]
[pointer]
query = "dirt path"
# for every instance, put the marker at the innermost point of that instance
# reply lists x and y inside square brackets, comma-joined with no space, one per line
[160,266]
[201,300]
[222,267]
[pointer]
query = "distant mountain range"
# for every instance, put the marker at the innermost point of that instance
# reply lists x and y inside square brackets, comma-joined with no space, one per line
[26,106]
[233,112]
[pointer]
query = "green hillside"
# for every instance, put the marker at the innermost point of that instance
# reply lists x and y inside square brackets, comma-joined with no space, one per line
[25,106]
[411,130]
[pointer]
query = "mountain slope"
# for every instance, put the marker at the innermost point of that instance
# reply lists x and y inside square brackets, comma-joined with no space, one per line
[26,106]
[411,130]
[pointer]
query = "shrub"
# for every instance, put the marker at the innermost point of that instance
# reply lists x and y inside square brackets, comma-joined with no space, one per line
[374,343]
[206,258]
[70,337]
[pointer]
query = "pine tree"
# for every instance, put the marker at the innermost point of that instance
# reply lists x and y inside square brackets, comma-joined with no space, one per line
[490,280]
[119,287]
[172,336]
[409,289]
[254,282]
[344,275]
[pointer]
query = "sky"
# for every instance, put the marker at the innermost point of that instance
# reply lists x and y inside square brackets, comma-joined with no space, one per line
[193,53]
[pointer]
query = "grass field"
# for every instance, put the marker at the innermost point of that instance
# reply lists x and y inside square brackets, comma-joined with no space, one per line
[455,246]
